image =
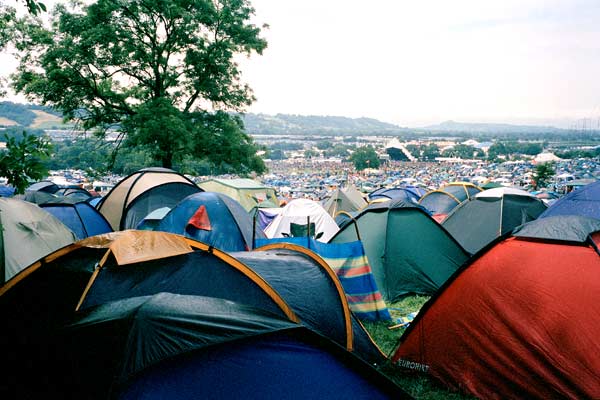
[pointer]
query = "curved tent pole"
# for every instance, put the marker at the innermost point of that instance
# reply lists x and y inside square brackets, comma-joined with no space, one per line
[353,222]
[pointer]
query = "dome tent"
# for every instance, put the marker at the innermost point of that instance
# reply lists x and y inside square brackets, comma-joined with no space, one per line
[212,218]
[408,251]
[83,219]
[518,321]
[302,217]
[142,192]
[133,263]
[490,214]
[443,200]
[28,233]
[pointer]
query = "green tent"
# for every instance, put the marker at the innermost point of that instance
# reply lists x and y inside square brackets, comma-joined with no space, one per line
[346,199]
[27,234]
[247,192]
[408,251]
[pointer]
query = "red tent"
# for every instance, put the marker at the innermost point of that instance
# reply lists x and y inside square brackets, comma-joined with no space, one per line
[520,321]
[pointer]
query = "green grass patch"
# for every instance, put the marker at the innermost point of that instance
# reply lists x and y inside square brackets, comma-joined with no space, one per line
[419,386]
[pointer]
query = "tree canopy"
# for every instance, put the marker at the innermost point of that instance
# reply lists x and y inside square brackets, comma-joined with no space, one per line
[163,73]
[22,160]
[365,157]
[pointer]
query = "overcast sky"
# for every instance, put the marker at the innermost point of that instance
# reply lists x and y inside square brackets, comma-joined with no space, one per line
[415,63]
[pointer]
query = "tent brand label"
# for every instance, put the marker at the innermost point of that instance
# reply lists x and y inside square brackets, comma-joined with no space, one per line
[413,365]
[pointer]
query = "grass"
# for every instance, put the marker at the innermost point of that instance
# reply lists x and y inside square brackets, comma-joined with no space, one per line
[419,386]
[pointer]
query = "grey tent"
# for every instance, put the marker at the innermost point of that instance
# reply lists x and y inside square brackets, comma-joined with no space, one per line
[28,234]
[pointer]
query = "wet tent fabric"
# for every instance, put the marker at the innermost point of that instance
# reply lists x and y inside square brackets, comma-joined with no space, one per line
[491,214]
[519,321]
[442,201]
[584,201]
[81,218]
[249,193]
[175,346]
[286,283]
[75,193]
[407,250]
[28,233]
[151,221]
[351,266]
[346,199]
[307,214]
[142,192]
[227,225]
[43,186]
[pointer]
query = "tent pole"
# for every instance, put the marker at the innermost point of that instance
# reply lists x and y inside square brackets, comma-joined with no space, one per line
[254,229]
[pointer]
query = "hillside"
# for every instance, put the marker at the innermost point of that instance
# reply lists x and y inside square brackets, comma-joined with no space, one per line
[463,127]
[28,116]
[288,124]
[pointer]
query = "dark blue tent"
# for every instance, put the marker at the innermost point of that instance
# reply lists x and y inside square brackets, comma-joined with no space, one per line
[584,202]
[406,193]
[175,346]
[212,218]
[83,219]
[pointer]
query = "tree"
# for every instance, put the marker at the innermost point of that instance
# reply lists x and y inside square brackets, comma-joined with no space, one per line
[542,174]
[158,70]
[364,157]
[22,160]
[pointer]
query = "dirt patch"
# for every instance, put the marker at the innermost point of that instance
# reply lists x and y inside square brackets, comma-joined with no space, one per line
[7,122]
[44,119]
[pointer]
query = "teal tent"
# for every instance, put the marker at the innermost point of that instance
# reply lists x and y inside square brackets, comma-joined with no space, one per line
[409,252]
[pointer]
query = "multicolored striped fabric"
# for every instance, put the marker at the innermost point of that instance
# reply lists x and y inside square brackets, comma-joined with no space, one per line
[352,268]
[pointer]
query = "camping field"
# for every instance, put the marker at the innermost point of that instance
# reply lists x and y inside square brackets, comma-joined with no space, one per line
[419,386]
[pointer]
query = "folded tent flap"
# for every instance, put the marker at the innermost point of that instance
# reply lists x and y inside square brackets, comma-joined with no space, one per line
[131,246]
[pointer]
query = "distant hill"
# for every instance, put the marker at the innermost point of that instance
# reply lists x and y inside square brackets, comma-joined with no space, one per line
[290,124]
[462,127]
[28,116]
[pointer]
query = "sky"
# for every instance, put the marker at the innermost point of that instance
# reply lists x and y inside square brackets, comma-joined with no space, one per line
[417,63]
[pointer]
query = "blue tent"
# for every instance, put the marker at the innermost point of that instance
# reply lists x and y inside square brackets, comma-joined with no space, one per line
[406,193]
[212,218]
[83,219]
[584,201]
[6,191]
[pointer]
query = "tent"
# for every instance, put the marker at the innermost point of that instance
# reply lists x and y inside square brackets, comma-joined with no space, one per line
[7,191]
[520,320]
[43,186]
[83,219]
[28,233]
[352,268]
[212,218]
[181,346]
[408,251]
[490,214]
[262,217]
[292,284]
[584,201]
[405,193]
[302,217]
[249,193]
[443,200]
[142,192]
[76,193]
[344,199]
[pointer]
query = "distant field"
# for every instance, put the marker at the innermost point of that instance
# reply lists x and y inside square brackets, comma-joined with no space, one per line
[43,120]
[7,122]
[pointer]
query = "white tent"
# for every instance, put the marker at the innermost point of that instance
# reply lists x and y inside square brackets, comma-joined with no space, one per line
[308,215]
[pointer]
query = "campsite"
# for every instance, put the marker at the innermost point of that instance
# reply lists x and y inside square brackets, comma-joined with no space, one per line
[403,298]
[255,199]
